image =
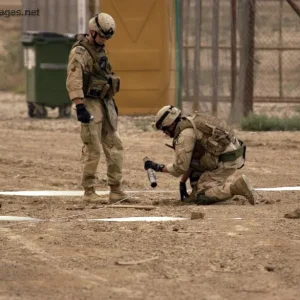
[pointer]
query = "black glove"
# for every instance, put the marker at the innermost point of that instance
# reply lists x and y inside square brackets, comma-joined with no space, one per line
[149,164]
[183,192]
[82,114]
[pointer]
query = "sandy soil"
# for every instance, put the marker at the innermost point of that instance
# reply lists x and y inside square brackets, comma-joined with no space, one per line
[256,257]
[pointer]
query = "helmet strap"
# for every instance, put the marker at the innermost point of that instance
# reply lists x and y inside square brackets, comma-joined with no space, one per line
[172,127]
[94,35]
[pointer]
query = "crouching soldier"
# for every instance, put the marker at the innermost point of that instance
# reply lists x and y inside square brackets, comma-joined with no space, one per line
[207,152]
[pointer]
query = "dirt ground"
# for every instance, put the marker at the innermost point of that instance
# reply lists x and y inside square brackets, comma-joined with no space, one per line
[68,257]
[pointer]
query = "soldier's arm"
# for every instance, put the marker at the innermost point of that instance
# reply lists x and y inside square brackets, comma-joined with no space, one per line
[74,81]
[183,154]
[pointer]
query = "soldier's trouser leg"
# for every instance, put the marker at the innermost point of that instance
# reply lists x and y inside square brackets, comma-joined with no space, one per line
[214,186]
[113,150]
[91,156]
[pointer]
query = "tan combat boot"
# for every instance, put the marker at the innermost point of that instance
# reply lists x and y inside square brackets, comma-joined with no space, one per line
[242,187]
[116,194]
[90,196]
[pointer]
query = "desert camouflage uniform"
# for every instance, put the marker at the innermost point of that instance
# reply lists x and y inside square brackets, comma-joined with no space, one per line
[213,182]
[98,132]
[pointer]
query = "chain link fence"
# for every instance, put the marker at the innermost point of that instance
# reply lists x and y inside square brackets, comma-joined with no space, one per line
[239,56]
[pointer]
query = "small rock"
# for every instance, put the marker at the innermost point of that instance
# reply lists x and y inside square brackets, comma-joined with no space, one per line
[195,215]
[293,215]
[270,202]
[175,228]
[270,268]
[75,207]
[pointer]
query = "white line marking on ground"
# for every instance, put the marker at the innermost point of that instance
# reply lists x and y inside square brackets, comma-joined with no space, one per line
[280,189]
[67,193]
[15,218]
[80,193]
[138,219]
[124,219]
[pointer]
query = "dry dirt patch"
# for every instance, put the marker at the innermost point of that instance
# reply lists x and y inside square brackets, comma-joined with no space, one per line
[218,257]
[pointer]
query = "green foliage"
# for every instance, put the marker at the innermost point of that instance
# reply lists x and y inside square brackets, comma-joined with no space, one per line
[265,123]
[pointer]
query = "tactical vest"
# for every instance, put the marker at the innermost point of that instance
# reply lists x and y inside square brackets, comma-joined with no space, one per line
[216,137]
[101,82]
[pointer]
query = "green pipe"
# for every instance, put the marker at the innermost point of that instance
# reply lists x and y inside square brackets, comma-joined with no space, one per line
[178,52]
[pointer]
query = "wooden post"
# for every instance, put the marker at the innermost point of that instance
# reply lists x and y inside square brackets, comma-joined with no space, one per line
[249,82]
[215,56]
[294,6]
[280,51]
[243,104]
[186,53]
[233,51]
[197,57]
[182,80]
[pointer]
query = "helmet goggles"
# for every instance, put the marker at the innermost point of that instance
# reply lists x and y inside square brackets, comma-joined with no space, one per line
[107,34]
[161,120]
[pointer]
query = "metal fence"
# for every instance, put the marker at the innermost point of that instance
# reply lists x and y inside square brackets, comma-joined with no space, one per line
[236,54]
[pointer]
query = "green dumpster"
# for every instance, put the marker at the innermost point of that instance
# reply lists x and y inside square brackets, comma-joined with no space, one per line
[45,60]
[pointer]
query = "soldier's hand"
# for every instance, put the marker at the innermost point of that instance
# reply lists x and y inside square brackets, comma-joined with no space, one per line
[183,191]
[149,164]
[82,114]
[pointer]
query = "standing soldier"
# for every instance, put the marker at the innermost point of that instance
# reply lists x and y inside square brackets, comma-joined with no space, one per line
[91,85]
[207,152]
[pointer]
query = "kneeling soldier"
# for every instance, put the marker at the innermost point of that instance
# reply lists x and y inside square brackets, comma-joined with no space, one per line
[207,152]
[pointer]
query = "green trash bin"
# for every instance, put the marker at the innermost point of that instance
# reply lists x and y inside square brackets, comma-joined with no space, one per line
[45,59]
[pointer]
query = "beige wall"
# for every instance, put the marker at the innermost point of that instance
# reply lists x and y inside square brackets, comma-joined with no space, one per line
[142,53]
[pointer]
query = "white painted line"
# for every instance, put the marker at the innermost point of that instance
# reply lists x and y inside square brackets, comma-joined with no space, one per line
[47,193]
[69,193]
[15,218]
[80,193]
[139,219]
[125,219]
[279,189]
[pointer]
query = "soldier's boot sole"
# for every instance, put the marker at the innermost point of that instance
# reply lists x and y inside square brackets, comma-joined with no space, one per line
[94,198]
[242,187]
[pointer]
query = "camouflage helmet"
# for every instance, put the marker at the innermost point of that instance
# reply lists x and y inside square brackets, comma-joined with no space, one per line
[166,116]
[103,24]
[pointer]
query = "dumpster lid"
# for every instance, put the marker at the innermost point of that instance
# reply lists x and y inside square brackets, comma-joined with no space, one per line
[31,36]
[43,33]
